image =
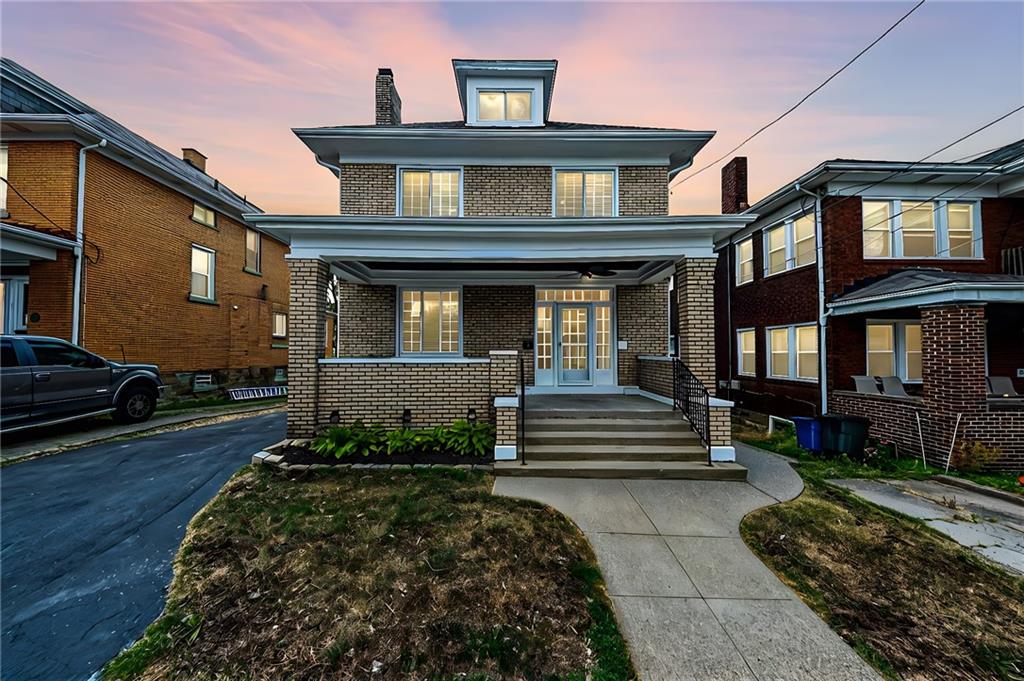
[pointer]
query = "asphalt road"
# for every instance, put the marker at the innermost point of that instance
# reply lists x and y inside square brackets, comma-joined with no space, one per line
[88,537]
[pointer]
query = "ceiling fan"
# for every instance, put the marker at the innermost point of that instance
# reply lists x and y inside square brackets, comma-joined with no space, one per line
[591,271]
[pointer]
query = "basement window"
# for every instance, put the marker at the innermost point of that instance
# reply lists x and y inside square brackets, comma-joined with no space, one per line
[203,215]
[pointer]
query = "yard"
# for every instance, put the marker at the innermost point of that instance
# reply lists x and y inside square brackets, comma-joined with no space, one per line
[913,603]
[403,575]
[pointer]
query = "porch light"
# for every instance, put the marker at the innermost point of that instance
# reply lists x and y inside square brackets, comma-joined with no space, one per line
[406,417]
[334,417]
[471,415]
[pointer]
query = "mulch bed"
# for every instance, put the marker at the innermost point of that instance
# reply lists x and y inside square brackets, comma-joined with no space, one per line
[294,455]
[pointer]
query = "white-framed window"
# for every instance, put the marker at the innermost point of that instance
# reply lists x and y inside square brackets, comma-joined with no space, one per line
[790,244]
[3,174]
[912,228]
[745,261]
[746,354]
[793,352]
[504,102]
[504,105]
[204,268]
[203,215]
[431,321]
[280,329]
[893,348]
[253,246]
[430,192]
[585,192]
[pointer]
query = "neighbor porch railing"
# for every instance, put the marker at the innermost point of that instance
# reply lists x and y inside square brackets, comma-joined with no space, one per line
[691,397]
[521,412]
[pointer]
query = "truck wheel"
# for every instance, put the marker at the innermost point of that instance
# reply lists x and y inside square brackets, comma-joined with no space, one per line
[136,404]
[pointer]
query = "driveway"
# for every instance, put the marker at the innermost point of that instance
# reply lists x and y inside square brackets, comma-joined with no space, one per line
[89,536]
[692,600]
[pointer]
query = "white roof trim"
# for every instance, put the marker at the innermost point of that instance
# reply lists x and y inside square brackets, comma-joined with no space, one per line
[949,293]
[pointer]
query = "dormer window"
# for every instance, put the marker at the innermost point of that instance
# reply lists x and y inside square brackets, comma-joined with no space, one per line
[505,105]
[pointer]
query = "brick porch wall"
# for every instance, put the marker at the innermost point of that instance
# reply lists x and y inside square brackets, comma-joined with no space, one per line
[367,320]
[655,375]
[498,318]
[695,299]
[307,312]
[642,322]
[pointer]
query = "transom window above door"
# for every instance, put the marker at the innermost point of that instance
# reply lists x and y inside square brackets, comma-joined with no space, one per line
[429,192]
[431,321]
[585,193]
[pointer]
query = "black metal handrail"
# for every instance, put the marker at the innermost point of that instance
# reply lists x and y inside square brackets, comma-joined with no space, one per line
[521,412]
[691,397]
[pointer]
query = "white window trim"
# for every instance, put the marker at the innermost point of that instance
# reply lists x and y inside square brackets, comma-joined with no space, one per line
[212,225]
[736,246]
[399,352]
[212,288]
[791,351]
[273,327]
[476,84]
[614,170]
[739,351]
[4,153]
[259,252]
[899,346]
[789,234]
[398,188]
[941,222]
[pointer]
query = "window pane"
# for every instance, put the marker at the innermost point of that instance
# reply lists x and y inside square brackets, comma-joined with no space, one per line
[252,249]
[411,321]
[807,338]
[603,333]
[804,238]
[416,193]
[778,341]
[881,350]
[777,249]
[8,357]
[918,228]
[203,214]
[880,364]
[518,106]
[747,356]
[745,261]
[544,337]
[449,321]
[52,353]
[444,193]
[568,193]
[876,228]
[599,193]
[912,343]
[280,324]
[202,273]
[807,352]
[490,106]
[577,295]
[880,337]
[960,218]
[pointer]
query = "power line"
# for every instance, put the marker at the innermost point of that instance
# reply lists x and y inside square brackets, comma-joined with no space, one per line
[99,251]
[805,97]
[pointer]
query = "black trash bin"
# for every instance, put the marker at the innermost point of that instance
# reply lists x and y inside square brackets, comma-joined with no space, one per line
[830,425]
[853,435]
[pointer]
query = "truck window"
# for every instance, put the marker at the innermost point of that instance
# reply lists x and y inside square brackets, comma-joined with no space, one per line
[55,353]
[8,357]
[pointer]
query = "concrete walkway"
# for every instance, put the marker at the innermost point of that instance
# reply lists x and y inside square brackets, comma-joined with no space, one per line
[990,527]
[692,600]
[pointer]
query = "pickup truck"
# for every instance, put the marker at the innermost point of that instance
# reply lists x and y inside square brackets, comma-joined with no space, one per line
[45,380]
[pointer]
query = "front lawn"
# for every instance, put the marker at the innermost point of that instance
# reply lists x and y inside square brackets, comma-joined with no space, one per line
[383,575]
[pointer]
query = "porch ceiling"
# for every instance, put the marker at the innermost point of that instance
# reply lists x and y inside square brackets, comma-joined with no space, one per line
[21,244]
[563,273]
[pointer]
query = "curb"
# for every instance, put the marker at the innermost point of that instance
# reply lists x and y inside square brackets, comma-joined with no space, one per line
[980,489]
[268,457]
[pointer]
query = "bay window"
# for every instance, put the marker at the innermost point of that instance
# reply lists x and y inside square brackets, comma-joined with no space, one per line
[894,349]
[747,355]
[429,192]
[430,322]
[793,352]
[911,228]
[745,261]
[789,245]
[584,193]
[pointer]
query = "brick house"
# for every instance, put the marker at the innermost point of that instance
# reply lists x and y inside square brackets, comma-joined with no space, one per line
[462,248]
[168,272]
[918,276]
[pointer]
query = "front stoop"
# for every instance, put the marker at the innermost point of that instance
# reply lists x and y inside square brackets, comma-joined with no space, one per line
[613,443]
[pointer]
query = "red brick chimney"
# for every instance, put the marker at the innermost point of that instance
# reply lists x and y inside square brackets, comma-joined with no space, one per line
[734,186]
[388,104]
[194,158]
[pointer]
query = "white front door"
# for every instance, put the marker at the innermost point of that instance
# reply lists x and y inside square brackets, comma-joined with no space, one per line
[574,344]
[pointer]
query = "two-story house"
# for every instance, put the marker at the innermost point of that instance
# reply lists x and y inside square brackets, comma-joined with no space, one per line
[889,290]
[113,243]
[464,247]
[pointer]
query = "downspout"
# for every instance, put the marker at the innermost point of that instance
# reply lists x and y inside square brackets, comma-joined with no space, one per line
[76,291]
[822,314]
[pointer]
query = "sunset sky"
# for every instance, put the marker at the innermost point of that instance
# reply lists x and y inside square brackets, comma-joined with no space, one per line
[232,79]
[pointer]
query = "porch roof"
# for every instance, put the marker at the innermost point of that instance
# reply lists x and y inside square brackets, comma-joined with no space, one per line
[388,249]
[914,288]
[24,243]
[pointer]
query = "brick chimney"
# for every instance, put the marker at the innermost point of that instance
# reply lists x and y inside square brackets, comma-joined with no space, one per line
[194,158]
[388,104]
[734,186]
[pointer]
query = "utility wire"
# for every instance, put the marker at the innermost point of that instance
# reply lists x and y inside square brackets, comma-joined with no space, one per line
[99,251]
[805,97]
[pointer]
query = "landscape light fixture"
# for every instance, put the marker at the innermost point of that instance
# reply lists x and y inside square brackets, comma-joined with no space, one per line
[471,415]
[406,417]
[334,417]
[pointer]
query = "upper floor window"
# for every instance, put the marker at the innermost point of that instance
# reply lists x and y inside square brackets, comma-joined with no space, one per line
[894,349]
[429,192]
[745,261]
[790,245]
[3,174]
[252,251]
[430,321]
[204,215]
[204,263]
[584,193]
[504,101]
[909,228]
[793,352]
[504,105]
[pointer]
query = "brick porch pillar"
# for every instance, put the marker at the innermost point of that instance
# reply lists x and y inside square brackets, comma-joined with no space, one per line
[695,298]
[504,379]
[306,316]
[953,372]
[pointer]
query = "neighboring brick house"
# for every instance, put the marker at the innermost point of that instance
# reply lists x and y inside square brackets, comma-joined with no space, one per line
[462,246]
[170,272]
[920,277]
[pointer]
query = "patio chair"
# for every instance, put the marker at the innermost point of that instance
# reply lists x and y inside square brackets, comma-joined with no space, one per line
[893,386]
[1001,386]
[866,385]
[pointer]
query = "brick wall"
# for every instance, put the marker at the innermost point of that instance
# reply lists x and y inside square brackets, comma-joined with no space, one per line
[642,313]
[719,426]
[498,318]
[367,189]
[643,190]
[504,381]
[892,418]
[506,190]
[367,320]
[305,344]
[137,275]
[655,375]
[695,299]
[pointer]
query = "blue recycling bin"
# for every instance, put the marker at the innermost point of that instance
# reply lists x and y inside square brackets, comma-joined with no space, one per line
[808,433]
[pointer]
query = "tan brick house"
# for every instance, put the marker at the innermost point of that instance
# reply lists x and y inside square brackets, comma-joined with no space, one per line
[873,272]
[464,248]
[169,272]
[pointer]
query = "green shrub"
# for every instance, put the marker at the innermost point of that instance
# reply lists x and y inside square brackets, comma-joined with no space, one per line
[405,441]
[354,440]
[469,439]
[461,438]
[973,457]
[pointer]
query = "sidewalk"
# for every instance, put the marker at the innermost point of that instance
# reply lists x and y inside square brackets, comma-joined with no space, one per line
[692,600]
[33,443]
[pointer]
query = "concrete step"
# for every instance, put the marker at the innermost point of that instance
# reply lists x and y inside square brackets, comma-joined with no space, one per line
[612,452]
[665,414]
[658,470]
[598,436]
[678,424]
